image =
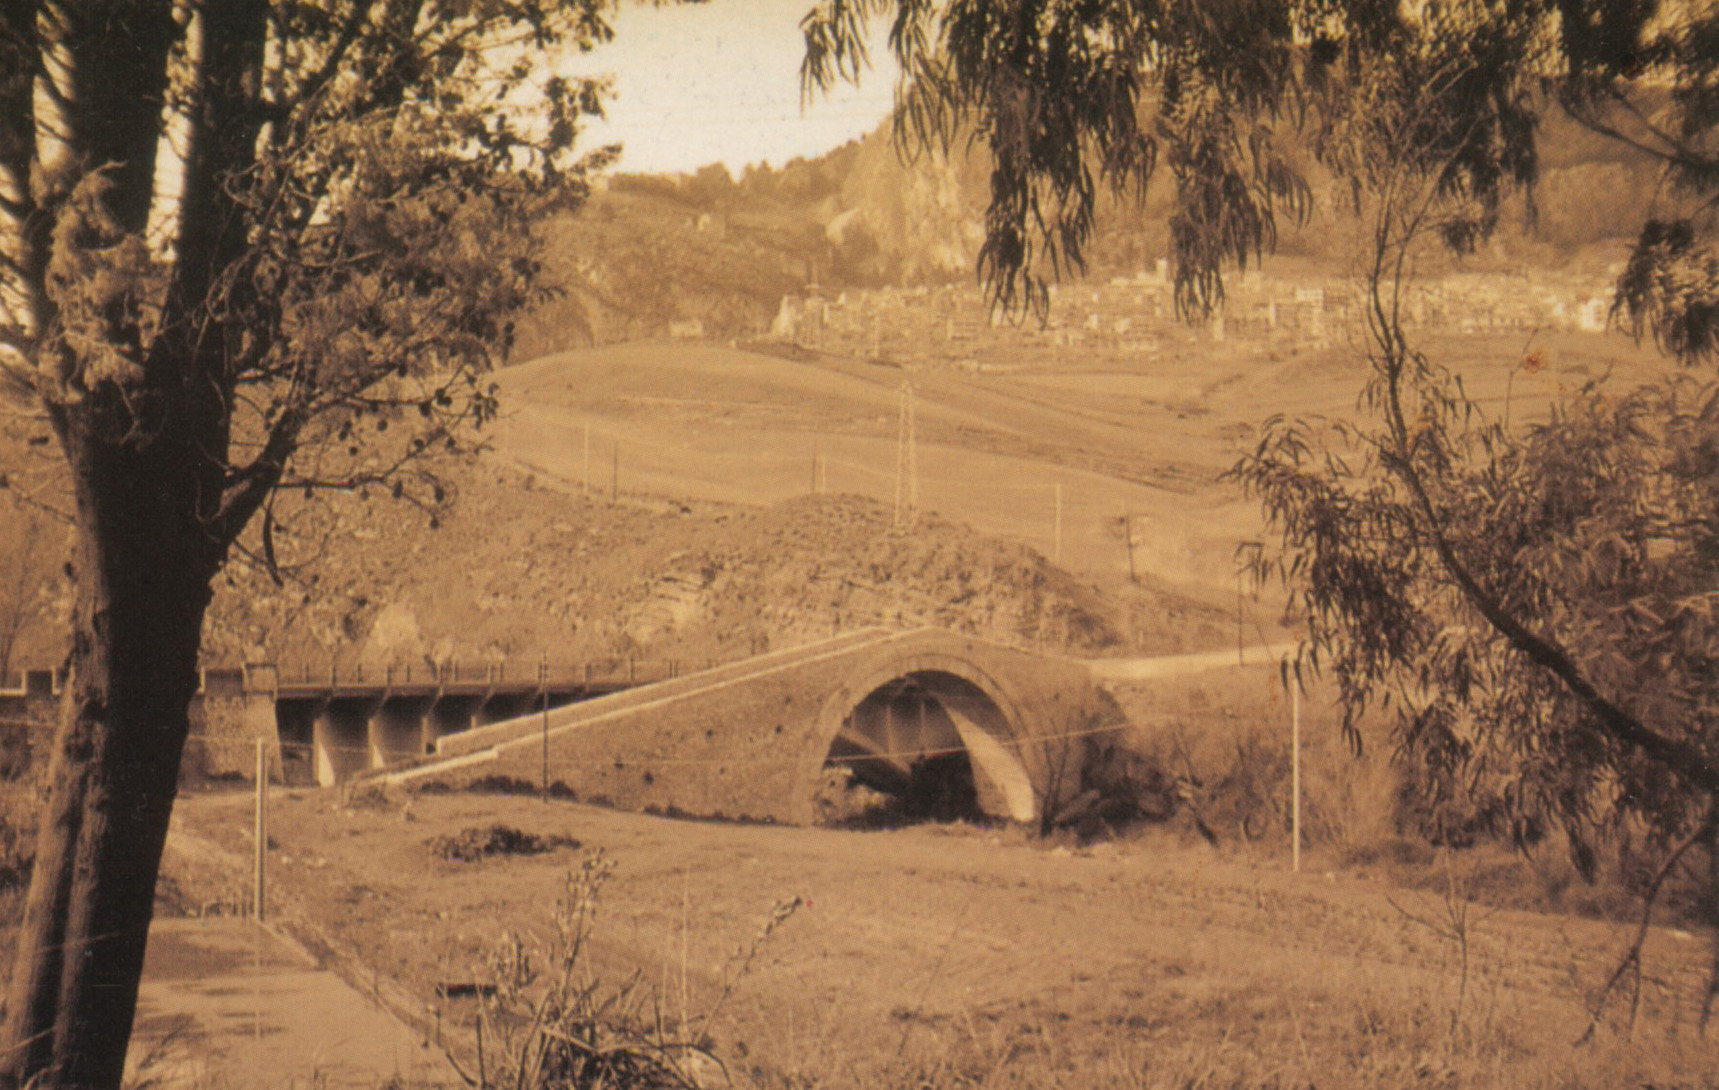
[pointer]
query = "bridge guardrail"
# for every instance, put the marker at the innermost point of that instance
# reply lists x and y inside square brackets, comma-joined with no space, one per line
[522,673]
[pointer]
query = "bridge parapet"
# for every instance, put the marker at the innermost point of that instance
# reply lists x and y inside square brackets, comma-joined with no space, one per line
[750,738]
[486,737]
[336,678]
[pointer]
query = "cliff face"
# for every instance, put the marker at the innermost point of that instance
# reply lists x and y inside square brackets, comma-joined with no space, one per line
[706,255]
[925,218]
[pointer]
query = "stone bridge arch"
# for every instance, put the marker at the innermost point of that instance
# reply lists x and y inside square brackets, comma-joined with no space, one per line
[985,717]
[749,739]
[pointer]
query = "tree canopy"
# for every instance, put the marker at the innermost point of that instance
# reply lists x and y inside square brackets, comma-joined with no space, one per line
[1236,99]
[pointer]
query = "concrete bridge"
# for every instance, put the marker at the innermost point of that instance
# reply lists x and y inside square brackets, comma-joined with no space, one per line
[754,739]
[334,724]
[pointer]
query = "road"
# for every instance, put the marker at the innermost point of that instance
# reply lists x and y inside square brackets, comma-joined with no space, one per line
[228,1004]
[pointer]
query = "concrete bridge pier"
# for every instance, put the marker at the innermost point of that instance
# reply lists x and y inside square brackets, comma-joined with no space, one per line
[934,715]
[448,714]
[500,707]
[341,738]
[295,724]
[1002,782]
[396,731]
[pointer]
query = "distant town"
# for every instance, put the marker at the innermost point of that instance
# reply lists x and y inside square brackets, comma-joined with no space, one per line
[1135,317]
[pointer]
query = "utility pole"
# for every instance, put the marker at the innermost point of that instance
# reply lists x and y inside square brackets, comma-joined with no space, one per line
[1295,773]
[906,464]
[1128,538]
[587,459]
[259,898]
[1056,553]
[615,474]
[543,695]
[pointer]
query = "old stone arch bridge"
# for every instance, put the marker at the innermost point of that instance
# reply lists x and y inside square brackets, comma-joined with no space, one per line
[756,739]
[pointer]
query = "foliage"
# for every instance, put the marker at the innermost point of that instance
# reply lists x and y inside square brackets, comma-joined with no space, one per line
[1594,530]
[346,241]
[1240,99]
[1530,605]
[547,1022]
[1531,608]
[475,844]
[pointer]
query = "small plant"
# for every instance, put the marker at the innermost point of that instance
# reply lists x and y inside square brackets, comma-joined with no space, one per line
[545,1022]
[1454,924]
[365,795]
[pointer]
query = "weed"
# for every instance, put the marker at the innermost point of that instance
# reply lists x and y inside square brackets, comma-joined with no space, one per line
[545,1022]
[1453,923]
[17,838]
[365,795]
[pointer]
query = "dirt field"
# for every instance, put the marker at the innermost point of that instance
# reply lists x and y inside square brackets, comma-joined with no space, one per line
[961,955]
[1146,440]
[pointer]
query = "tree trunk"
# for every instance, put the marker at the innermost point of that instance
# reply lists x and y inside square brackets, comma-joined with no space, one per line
[1712,916]
[143,567]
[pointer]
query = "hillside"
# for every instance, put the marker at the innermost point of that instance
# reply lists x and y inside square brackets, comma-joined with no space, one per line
[1134,449]
[710,255]
[526,563]
[518,569]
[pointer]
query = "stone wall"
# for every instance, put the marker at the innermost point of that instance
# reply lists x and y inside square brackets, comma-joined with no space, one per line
[232,710]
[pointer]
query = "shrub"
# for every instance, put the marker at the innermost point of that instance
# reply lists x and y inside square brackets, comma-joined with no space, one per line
[474,844]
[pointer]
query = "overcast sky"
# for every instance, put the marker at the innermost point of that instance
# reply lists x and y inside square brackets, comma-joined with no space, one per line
[720,82]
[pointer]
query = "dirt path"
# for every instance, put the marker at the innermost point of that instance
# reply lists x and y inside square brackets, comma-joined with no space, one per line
[973,951]
[1147,667]
[228,1004]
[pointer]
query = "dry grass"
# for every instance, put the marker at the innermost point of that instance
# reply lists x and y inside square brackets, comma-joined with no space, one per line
[960,956]
[1224,737]
[19,799]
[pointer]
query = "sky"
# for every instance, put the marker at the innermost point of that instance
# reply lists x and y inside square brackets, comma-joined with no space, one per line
[720,82]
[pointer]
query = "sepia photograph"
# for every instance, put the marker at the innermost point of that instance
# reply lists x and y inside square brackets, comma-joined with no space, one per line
[859,544]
